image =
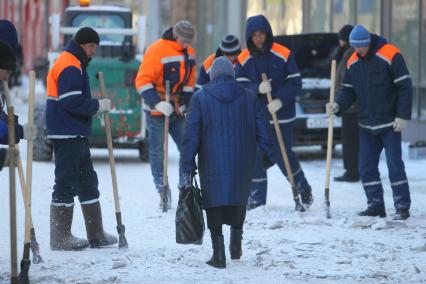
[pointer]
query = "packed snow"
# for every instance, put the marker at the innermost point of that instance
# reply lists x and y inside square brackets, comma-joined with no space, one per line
[279,244]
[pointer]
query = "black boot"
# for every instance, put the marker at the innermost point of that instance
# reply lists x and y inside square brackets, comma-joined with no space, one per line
[60,230]
[218,259]
[306,196]
[235,243]
[401,214]
[373,212]
[94,228]
[348,177]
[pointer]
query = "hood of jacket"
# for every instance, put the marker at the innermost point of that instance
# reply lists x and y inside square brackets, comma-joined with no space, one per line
[224,88]
[258,24]
[376,43]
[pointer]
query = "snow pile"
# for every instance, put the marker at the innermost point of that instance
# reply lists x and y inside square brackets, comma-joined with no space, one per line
[279,245]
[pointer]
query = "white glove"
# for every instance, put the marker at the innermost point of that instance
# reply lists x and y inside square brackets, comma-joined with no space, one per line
[182,108]
[104,105]
[275,105]
[265,87]
[399,124]
[30,131]
[165,108]
[332,108]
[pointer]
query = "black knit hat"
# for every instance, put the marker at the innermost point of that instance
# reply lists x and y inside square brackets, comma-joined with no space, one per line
[230,45]
[344,32]
[86,35]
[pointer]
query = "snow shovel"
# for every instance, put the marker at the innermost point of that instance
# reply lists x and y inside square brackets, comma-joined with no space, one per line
[329,142]
[34,245]
[166,152]
[299,206]
[122,242]
[12,185]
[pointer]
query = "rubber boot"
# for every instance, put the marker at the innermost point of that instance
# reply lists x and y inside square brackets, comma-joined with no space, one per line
[60,230]
[218,259]
[235,243]
[96,235]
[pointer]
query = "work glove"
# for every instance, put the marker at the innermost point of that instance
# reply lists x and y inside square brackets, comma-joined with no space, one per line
[399,124]
[265,87]
[104,105]
[332,108]
[30,131]
[275,105]
[164,108]
[11,154]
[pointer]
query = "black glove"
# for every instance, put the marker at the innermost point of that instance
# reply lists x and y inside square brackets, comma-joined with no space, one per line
[267,163]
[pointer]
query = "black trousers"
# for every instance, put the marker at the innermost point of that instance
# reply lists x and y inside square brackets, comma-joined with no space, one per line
[229,215]
[350,142]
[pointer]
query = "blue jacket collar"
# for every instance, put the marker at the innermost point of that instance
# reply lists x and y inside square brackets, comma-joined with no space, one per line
[75,49]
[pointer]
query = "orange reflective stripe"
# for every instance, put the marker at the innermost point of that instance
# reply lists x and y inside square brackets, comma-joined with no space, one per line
[387,52]
[352,60]
[244,55]
[64,60]
[281,51]
[151,70]
[208,62]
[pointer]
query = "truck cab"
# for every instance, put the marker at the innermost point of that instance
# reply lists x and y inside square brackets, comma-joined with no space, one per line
[116,57]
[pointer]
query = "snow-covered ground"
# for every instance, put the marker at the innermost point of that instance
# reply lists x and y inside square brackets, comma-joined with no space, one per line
[279,245]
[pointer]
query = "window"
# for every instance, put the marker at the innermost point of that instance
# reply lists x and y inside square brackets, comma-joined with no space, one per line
[405,35]
[285,16]
[422,84]
[368,15]
[101,21]
[319,20]
[343,13]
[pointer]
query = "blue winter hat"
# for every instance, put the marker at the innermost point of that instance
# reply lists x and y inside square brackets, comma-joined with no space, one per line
[221,67]
[359,37]
[9,35]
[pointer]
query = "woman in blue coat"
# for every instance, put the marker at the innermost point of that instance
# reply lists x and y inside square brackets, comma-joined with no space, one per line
[224,123]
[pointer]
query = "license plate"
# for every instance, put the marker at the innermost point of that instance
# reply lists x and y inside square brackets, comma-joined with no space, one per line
[322,123]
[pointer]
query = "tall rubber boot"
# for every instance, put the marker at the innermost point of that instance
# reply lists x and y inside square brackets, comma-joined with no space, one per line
[96,235]
[218,259]
[235,243]
[60,230]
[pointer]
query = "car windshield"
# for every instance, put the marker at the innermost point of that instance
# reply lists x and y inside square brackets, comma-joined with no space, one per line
[313,52]
[102,21]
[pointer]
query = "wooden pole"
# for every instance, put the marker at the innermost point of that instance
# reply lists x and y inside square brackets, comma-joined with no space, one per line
[329,141]
[12,185]
[166,152]
[122,242]
[299,206]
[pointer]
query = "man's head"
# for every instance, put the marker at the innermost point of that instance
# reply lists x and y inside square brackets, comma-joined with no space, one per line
[230,47]
[88,39]
[184,32]
[360,40]
[258,38]
[344,33]
[221,67]
[9,46]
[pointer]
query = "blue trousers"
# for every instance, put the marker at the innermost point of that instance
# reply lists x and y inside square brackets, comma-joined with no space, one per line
[156,143]
[259,181]
[74,173]
[370,148]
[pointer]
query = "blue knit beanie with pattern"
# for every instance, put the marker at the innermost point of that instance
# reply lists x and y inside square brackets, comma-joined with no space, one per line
[359,37]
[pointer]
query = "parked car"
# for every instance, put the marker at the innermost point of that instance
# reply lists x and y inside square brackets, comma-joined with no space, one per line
[313,53]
